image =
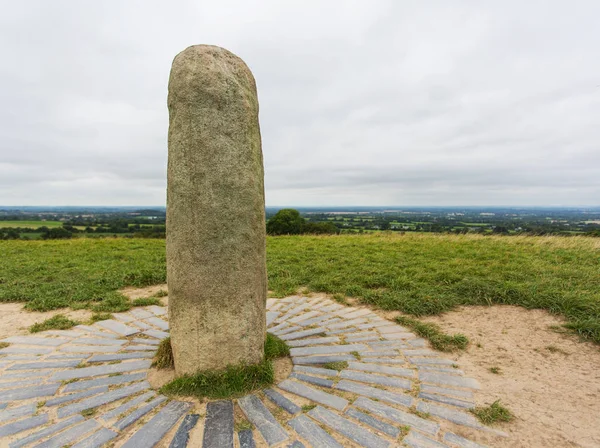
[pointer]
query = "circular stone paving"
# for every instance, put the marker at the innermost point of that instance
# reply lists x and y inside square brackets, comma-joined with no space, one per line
[358,380]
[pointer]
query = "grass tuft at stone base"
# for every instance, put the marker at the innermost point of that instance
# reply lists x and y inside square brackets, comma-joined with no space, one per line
[438,339]
[58,322]
[275,347]
[164,355]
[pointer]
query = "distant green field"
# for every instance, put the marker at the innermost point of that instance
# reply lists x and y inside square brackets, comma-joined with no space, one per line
[30,224]
[419,274]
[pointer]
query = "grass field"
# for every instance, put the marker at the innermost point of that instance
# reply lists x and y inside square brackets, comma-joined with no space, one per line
[30,224]
[419,274]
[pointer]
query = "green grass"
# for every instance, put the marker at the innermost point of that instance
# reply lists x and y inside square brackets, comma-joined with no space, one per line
[338,365]
[146,301]
[97,317]
[275,347]
[438,339]
[493,413]
[30,224]
[417,273]
[4,344]
[88,412]
[58,322]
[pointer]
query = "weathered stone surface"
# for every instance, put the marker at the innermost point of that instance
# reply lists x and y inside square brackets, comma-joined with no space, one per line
[460,441]
[371,421]
[453,415]
[322,359]
[159,311]
[71,435]
[348,429]
[23,425]
[467,394]
[313,394]
[145,341]
[98,341]
[301,334]
[447,400]
[121,356]
[101,370]
[97,439]
[44,365]
[120,379]
[53,429]
[21,411]
[373,392]
[315,370]
[158,322]
[417,440]
[370,378]
[312,380]
[158,334]
[138,413]
[448,380]
[257,413]
[327,349]
[117,327]
[182,436]
[313,433]
[126,406]
[218,425]
[30,340]
[313,341]
[216,265]
[88,349]
[246,439]
[43,390]
[282,402]
[76,396]
[367,367]
[96,331]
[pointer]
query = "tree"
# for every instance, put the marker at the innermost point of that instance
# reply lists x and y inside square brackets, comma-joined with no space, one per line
[286,221]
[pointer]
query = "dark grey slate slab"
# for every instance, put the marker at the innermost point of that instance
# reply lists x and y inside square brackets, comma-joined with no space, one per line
[23,425]
[348,429]
[182,436]
[452,415]
[145,341]
[44,365]
[218,425]
[25,393]
[460,441]
[312,379]
[417,440]
[448,380]
[156,334]
[371,378]
[367,367]
[79,356]
[447,400]
[246,439]
[70,435]
[296,444]
[282,401]
[313,341]
[138,413]
[327,349]
[257,413]
[378,353]
[431,361]
[387,344]
[99,341]
[313,433]
[97,439]
[315,370]
[30,340]
[398,416]
[88,349]
[21,411]
[23,375]
[121,356]
[25,350]
[158,322]
[101,370]
[46,431]
[313,394]
[373,392]
[117,327]
[76,396]
[13,384]
[301,334]
[126,406]
[120,379]
[151,433]
[385,360]
[439,369]
[398,336]
[465,394]
[99,400]
[322,359]
[3,405]
[134,348]
[420,352]
[19,357]
[371,421]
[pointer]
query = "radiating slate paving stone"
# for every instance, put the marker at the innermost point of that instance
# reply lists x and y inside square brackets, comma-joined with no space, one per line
[139,413]
[120,379]
[417,440]
[372,378]
[313,341]
[301,334]
[378,353]
[315,370]
[447,400]
[87,349]
[156,334]
[218,425]
[304,316]
[23,425]
[99,341]
[312,380]
[145,341]
[63,333]
[315,320]
[387,344]
[50,430]
[78,356]
[141,313]
[99,400]
[343,332]
[141,324]
[452,415]
[76,396]
[158,322]
[159,311]
[363,339]
[182,436]
[461,441]
[448,380]
[420,352]
[34,391]
[246,439]
[30,340]
[279,327]
[322,359]
[282,401]
[313,433]
[419,342]
[96,332]
[257,413]
[396,415]
[126,406]
[374,423]
[367,367]
[347,323]
[385,360]
[126,318]
[313,394]
[286,330]
[44,365]
[20,411]
[97,439]
[23,375]
[121,356]
[439,369]
[13,384]
[332,307]
[348,429]
[373,392]
[372,324]
[430,361]
[101,370]
[3,405]
[296,444]
[271,316]
[19,357]
[117,327]
[465,394]
[326,349]
[398,336]
[70,435]
[25,350]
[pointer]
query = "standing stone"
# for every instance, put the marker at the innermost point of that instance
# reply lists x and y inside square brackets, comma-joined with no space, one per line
[216,260]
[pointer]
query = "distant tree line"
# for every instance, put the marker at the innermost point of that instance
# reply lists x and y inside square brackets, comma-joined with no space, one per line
[289,222]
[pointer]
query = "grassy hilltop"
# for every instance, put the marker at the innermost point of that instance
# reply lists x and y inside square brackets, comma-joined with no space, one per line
[416,273]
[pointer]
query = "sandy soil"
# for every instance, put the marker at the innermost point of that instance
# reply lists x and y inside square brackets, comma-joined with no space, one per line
[149,291]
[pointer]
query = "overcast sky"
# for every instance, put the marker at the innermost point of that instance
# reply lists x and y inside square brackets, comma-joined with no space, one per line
[361,102]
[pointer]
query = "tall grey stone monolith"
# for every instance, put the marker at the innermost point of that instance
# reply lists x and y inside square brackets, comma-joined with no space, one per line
[216,261]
